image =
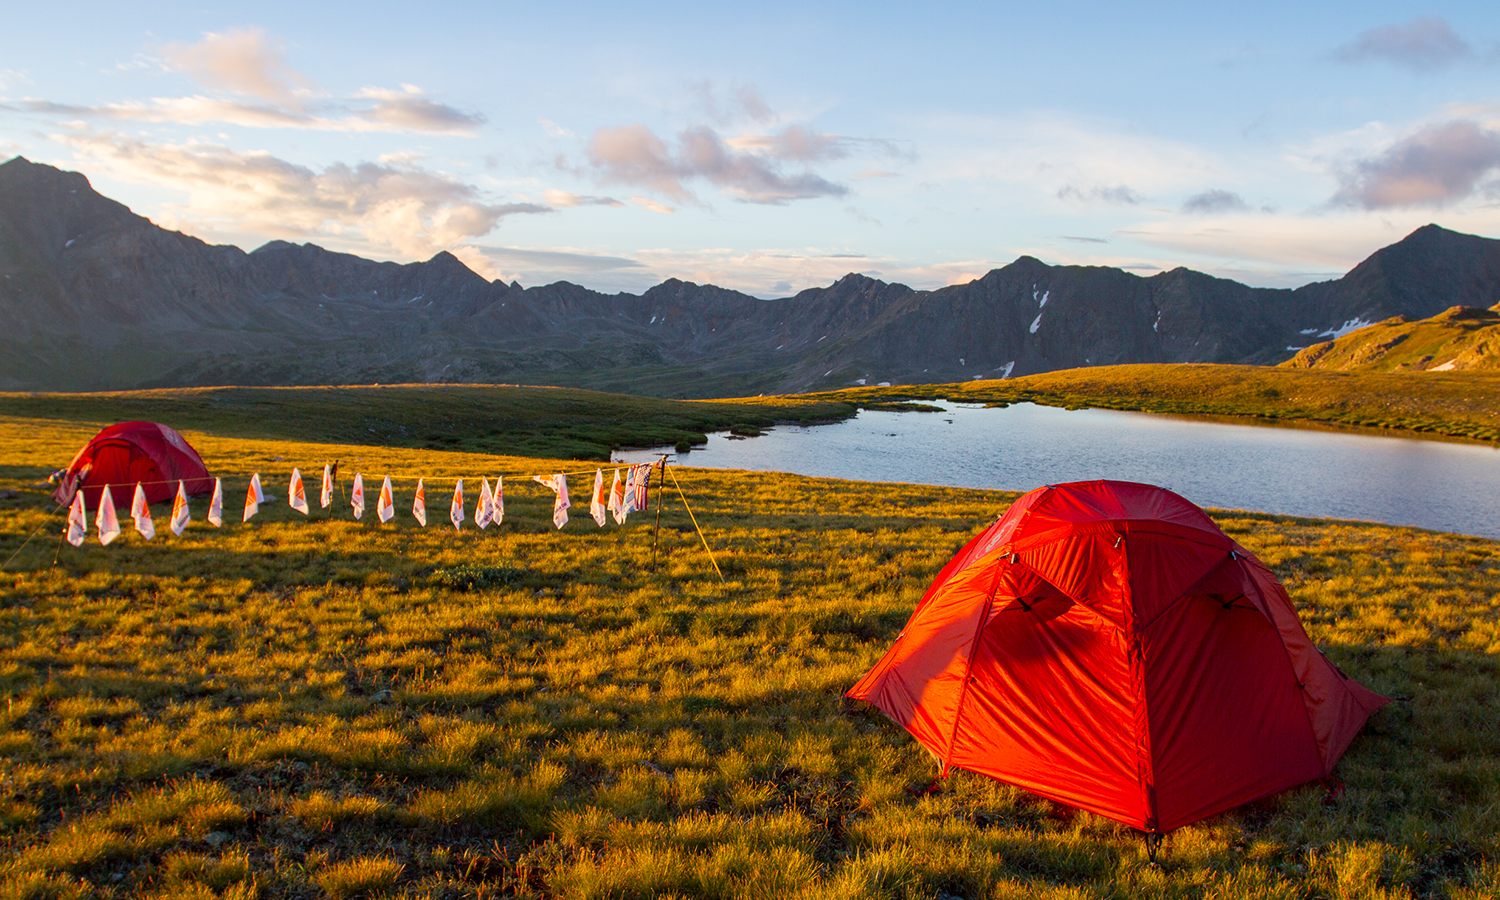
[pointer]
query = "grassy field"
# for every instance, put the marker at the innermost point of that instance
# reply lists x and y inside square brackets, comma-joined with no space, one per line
[321,707]
[1462,405]
[560,423]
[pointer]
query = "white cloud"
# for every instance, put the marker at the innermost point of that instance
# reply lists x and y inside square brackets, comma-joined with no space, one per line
[243,60]
[634,154]
[559,199]
[394,207]
[653,205]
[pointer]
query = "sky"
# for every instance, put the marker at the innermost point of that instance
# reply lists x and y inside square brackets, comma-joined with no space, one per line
[777,146]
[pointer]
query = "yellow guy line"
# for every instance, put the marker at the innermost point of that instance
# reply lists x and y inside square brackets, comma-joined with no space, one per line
[695,525]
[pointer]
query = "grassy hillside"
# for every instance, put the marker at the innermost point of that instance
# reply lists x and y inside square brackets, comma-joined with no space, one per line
[1446,404]
[321,707]
[1459,339]
[523,421]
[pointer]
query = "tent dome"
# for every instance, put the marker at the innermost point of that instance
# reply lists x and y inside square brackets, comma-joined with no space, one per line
[1106,645]
[131,453]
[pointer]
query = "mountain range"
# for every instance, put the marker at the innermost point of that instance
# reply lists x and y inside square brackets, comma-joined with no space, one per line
[95,297]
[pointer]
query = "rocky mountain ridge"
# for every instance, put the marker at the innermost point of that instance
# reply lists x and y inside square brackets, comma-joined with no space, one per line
[96,297]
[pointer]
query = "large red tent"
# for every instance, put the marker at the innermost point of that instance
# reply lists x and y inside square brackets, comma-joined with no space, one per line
[1107,646]
[131,453]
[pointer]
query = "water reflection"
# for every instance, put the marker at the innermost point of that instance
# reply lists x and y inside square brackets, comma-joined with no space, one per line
[1431,484]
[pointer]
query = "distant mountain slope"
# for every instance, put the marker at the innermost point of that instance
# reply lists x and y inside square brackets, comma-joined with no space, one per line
[1460,338]
[96,297]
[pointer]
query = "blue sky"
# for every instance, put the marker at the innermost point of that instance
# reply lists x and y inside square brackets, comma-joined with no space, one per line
[775,147]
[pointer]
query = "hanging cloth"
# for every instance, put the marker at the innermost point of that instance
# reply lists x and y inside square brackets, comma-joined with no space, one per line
[180,514]
[325,497]
[419,504]
[296,494]
[456,511]
[559,484]
[357,495]
[484,510]
[140,510]
[216,505]
[499,501]
[599,502]
[107,520]
[617,499]
[385,506]
[78,521]
[253,497]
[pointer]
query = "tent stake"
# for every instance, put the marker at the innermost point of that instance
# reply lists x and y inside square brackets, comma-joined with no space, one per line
[1153,843]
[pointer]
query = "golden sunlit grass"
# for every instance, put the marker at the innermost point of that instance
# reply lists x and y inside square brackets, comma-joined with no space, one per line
[318,707]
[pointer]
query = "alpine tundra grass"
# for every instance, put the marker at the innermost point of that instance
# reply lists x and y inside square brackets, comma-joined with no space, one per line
[313,706]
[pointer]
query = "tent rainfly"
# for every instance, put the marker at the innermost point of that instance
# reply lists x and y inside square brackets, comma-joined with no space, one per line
[145,453]
[1107,646]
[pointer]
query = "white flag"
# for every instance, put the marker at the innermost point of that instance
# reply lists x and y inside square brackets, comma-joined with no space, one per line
[598,504]
[484,509]
[140,510]
[385,506]
[216,505]
[499,500]
[326,497]
[559,484]
[107,520]
[456,511]
[180,514]
[419,504]
[78,521]
[253,497]
[296,495]
[357,495]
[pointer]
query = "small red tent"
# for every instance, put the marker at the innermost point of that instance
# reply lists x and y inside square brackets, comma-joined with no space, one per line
[1106,646]
[130,453]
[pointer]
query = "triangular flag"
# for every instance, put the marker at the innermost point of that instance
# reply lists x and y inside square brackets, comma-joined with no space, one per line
[253,497]
[78,521]
[216,505]
[599,504]
[180,514]
[107,520]
[140,510]
[385,506]
[326,496]
[357,495]
[456,511]
[499,501]
[484,509]
[419,504]
[617,499]
[296,496]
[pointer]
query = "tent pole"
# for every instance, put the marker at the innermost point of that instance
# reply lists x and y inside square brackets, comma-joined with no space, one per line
[656,532]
